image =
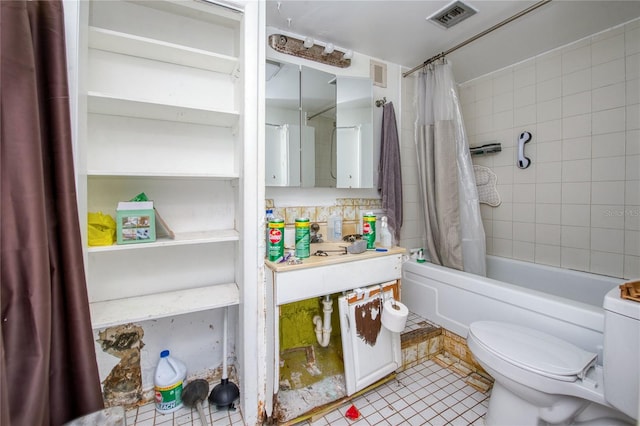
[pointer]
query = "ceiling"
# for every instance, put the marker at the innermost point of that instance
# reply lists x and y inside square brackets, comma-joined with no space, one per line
[397,30]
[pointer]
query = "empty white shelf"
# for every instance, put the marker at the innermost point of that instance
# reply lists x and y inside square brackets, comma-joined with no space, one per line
[112,105]
[182,238]
[208,11]
[173,175]
[129,44]
[160,305]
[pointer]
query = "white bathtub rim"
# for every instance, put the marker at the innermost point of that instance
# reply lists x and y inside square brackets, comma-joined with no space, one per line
[589,317]
[541,266]
[583,314]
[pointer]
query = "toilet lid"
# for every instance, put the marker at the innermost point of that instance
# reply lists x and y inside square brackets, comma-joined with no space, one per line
[533,350]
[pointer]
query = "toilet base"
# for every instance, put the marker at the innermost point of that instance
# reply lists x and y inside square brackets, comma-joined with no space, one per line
[506,409]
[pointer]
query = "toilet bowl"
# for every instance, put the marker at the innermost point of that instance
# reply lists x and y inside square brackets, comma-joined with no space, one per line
[543,380]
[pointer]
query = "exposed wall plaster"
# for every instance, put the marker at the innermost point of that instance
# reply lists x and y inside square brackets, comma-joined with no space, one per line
[123,385]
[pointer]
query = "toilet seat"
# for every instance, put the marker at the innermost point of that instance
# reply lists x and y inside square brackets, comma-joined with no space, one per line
[533,350]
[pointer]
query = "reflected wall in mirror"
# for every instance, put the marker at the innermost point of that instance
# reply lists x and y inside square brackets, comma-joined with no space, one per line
[354,133]
[282,125]
[318,128]
[319,118]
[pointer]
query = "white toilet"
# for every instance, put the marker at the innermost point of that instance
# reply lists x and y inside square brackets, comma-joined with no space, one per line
[543,380]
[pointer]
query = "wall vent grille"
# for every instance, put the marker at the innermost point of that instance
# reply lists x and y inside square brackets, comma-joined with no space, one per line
[452,14]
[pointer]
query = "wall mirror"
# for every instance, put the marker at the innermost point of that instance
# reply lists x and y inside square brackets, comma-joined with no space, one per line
[318,128]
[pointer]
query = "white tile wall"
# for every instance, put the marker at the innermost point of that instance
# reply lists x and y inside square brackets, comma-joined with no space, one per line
[412,232]
[578,204]
[609,145]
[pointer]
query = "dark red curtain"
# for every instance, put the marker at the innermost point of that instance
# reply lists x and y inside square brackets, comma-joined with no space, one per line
[48,371]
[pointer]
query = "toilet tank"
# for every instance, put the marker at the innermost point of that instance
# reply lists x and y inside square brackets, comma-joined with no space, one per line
[621,352]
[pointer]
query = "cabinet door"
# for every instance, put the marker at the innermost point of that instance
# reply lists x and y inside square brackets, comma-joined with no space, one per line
[370,351]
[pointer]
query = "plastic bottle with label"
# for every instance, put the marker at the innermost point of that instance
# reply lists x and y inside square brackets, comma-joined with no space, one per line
[303,237]
[275,243]
[369,230]
[268,218]
[334,228]
[386,239]
[169,380]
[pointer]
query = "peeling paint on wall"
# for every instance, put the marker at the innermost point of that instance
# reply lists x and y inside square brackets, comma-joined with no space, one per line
[123,385]
[368,321]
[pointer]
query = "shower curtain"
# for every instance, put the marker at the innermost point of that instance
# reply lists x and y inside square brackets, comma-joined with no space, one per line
[448,194]
[48,369]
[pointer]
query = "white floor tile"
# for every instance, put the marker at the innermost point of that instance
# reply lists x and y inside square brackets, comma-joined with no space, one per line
[428,413]
[479,422]
[396,419]
[408,412]
[437,421]
[450,401]
[449,414]
[416,420]
[392,398]
[479,409]
[375,418]
[459,421]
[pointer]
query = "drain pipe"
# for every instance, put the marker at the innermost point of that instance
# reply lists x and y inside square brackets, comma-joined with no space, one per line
[323,331]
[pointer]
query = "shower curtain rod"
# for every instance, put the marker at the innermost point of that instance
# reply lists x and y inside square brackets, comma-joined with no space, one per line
[475,37]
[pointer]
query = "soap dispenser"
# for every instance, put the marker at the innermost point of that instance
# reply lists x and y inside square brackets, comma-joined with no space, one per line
[386,239]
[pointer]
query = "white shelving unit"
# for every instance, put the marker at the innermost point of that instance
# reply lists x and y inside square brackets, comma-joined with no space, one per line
[186,238]
[129,44]
[163,113]
[159,305]
[111,105]
[164,100]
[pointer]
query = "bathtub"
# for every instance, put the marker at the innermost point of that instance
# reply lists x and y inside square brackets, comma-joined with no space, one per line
[561,302]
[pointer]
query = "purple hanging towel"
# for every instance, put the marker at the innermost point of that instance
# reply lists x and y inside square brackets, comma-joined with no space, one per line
[389,171]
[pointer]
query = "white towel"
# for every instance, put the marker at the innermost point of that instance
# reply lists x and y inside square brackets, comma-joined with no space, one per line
[486,184]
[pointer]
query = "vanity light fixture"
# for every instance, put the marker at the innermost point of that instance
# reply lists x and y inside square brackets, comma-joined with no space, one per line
[308,49]
[328,49]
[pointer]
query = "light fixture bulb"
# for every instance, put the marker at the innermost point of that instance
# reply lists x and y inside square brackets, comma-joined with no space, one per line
[308,42]
[348,54]
[328,49]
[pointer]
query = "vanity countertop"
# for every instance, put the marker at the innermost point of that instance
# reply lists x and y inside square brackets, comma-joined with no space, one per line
[333,257]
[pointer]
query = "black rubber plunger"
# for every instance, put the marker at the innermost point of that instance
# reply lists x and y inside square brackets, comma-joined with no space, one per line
[223,395]
[193,395]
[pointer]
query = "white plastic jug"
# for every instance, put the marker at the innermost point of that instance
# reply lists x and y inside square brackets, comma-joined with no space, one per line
[334,228]
[168,380]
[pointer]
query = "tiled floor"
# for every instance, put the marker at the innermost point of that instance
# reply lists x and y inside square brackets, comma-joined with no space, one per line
[147,416]
[414,322]
[426,394]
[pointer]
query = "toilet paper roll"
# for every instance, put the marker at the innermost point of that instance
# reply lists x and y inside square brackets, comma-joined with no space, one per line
[394,315]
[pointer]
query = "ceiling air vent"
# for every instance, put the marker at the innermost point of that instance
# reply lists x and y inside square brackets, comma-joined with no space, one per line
[452,14]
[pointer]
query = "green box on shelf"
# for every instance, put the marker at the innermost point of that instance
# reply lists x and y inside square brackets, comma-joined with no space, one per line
[136,222]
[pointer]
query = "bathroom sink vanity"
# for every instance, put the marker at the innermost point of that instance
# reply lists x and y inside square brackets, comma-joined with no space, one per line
[317,276]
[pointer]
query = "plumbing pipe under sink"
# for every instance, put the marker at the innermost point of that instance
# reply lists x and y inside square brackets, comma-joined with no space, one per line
[323,330]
